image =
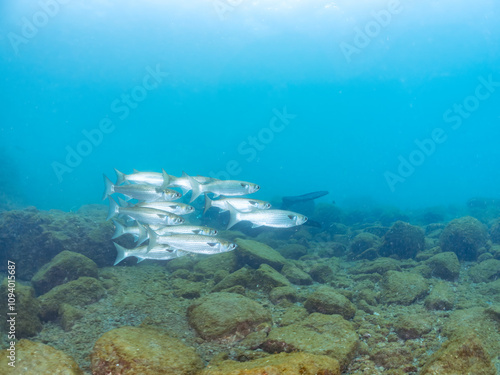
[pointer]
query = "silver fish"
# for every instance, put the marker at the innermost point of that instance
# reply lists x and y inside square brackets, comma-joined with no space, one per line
[150,178]
[268,218]
[241,204]
[144,215]
[142,192]
[193,243]
[138,231]
[222,187]
[184,183]
[173,207]
[159,252]
[184,229]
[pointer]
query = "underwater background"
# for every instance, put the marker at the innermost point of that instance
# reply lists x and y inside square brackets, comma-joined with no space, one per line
[378,120]
[363,87]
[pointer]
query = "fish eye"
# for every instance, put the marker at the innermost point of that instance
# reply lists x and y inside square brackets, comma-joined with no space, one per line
[215,231]
[257,187]
[268,205]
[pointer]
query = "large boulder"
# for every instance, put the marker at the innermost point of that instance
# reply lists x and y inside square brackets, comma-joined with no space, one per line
[464,236]
[444,265]
[403,240]
[282,364]
[326,300]
[320,334]
[460,355]
[403,288]
[80,292]
[133,350]
[66,266]
[486,271]
[26,307]
[256,253]
[227,315]
[40,359]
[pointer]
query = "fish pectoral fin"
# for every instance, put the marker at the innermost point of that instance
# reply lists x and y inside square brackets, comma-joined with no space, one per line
[212,244]
[292,217]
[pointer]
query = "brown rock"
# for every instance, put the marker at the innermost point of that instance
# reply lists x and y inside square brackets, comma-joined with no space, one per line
[133,350]
[278,364]
[40,359]
[463,355]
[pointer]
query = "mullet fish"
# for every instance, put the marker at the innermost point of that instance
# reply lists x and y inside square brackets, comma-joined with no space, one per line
[144,215]
[268,218]
[222,187]
[192,243]
[143,192]
[241,204]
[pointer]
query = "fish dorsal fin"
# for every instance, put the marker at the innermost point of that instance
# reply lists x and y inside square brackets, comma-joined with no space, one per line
[136,171]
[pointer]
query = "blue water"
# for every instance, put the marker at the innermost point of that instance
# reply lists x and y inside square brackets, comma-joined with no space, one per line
[332,108]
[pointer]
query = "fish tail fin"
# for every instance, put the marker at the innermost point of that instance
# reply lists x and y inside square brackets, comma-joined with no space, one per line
[152,239]
[166,179]
[119,230]
[122,202]
[122,253]
[120,177]
[108,190]
[114,209]
[143,234]
[196,188]
[208,203]
[234,216]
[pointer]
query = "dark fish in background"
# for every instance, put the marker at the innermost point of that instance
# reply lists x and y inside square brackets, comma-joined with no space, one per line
[290,201]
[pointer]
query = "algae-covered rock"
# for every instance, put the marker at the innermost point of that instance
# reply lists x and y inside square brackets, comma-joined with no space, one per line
[268,278]
[413,326]
[79,292]
[278,364]
[296,275]
[293,251]
[403,288]
[256,253]
[363,242]
[486,271]
[320,334]
[380,266]
[26,306]
[495,232]
[293,314]
[69,316]
[441,297]
[403,240]
[133,350]
[64,267]
[461,355]
[187,289]
[222,315]
[31,238]
[211,264]
[322,273]
[391,356]
[444,265]
[283,293]
[40,359]
[464,237]
[241,277]
[326,300]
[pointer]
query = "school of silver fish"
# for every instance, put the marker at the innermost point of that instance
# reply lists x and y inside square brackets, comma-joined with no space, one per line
[156,216]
